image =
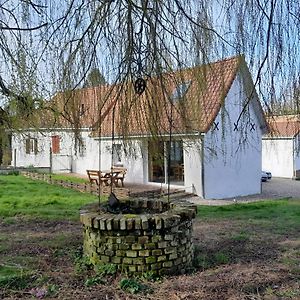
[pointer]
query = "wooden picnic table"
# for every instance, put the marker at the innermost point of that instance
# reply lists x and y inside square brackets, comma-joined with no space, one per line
[113,176]
[107,177]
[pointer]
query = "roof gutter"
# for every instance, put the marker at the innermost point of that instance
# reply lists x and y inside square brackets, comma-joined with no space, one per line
[146,136]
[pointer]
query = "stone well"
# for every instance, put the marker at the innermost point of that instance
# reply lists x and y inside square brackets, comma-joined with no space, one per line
[155,236]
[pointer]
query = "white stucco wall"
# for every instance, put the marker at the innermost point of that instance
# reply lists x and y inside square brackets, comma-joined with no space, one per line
[71,160]
[60,162]
[232,159]
[277,157]
[19,156]
[135,161]
[192,166]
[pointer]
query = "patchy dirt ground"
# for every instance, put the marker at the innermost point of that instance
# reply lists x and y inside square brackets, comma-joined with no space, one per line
[233,261]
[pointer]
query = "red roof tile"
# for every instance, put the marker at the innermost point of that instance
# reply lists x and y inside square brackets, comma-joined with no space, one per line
[150,113]
[284,126]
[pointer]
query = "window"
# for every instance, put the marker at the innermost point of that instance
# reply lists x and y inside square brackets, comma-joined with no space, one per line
[55,144]
[31,146]
[81,110]
[82,147]
[117,155]
[180,91]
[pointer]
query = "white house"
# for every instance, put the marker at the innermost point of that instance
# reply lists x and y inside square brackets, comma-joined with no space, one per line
[281,148]
[207,122]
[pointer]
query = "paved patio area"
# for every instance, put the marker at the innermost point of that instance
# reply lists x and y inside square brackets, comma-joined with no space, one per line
[276,188]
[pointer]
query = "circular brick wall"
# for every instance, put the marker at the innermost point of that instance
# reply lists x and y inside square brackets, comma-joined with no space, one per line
[158,240]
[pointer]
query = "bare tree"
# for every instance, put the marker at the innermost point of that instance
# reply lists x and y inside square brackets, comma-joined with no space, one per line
[51,46]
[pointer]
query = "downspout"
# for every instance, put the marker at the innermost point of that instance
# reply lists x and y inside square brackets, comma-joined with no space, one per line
[202,166]
[294,158]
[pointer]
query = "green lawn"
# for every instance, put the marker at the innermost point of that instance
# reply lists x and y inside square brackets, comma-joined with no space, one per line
[278,215]
[41,239]
[68,178]
[20,196]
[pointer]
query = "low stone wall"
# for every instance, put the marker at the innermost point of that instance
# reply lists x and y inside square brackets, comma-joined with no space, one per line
[120,192]
[160,241]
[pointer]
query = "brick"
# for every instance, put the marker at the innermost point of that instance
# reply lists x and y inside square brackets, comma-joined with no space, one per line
[178,261]
[148,233]
[174,229]
[174,243]
[169,237]
[130,239]
[127,260]
[145,223]
[137,223]
[109,252]
[138,261]
[162,272]
[167,264]
[116,223]
[163,244]
[132,268]
[144,253]
[113,247]
[111,240]
[108,223]
[123,224]
[150,246]
[173,256]
[156,266]
[124,246]
[121,253]
[130,224]
[92,236]
[162,258]
[101,249]
[183,241]
[143,240]
[105,259]
[170,250]
[116,260]
[136,247]
[151,260]
[96,223]
[102,224]
[156,252]
[156,238]
[143,268]
[131,253]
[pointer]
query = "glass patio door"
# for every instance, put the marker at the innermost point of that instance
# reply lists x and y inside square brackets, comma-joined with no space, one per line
[158,162]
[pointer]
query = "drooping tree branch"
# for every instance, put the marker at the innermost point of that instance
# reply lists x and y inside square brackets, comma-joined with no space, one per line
[23,29]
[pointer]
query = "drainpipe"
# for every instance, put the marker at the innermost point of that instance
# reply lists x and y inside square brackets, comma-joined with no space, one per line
[15,158]
[202,166]
[50,159]
[294,158]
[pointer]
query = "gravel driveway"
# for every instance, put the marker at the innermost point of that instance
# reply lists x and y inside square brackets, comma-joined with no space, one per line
[276,188]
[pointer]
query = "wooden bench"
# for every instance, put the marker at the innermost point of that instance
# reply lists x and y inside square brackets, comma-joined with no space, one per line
[98,177]
[120,173]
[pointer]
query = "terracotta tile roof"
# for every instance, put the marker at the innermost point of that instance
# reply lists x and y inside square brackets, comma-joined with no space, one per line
[203,92]
[284,126]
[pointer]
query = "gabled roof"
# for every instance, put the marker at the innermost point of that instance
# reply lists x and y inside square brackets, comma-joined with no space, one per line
[284,126]
[192,98]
